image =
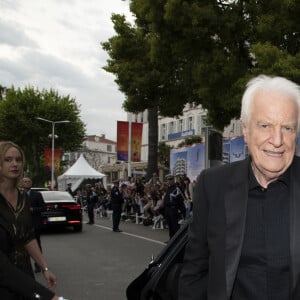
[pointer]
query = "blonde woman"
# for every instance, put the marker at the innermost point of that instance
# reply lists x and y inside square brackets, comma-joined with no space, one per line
[17,239]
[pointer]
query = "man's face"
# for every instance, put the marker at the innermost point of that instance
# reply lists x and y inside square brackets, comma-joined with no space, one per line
[26,183]
[271,135]
[170,181]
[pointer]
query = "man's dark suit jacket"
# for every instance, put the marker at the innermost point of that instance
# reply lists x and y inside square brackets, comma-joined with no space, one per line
[216,232]
[37,206]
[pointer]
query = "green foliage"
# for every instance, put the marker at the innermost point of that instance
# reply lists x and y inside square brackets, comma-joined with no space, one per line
[19,110]
[2,91]
[164,153]
[190,141]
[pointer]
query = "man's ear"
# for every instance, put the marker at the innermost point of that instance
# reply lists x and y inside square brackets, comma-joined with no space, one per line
[245,130]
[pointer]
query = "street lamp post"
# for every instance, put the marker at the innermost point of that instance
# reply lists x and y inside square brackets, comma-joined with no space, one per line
[52,148]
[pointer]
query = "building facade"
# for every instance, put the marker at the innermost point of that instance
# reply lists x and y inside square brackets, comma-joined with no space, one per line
[98,151]
[173,131]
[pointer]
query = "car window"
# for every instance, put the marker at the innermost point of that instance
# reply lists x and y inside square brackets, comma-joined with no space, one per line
[57,196]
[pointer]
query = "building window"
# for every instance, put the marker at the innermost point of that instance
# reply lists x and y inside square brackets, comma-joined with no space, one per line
[171,127]
[109,148]
[190,123]
[180,125]
[163,131]
[233,129]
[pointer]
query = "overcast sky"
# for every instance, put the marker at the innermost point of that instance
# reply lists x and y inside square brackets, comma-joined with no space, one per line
[56,44]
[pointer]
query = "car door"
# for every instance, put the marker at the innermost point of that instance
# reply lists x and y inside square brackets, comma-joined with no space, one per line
[160,279]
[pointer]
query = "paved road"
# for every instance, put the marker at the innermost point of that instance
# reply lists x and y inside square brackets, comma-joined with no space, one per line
[98,263]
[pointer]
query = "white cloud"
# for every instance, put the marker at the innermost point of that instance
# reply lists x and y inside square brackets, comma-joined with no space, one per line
[56,44]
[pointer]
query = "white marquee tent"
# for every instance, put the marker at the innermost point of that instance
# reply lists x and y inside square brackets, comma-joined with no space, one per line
[79,171]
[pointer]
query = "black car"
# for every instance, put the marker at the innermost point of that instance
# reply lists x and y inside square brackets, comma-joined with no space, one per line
[160,279]
[61,209]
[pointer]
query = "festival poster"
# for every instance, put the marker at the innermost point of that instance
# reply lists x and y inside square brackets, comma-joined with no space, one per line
[238,150]
[226,151]
[48,159]
[136,141]
[122,140]
[196,161]
[188,160]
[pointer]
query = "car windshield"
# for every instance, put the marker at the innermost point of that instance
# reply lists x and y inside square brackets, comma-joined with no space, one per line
[56,196]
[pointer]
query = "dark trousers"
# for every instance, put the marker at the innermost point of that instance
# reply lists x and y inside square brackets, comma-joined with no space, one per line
[172,218]
[116,216]
[90,208]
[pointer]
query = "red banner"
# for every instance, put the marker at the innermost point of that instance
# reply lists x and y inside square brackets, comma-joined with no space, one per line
[48,159]
[122,140]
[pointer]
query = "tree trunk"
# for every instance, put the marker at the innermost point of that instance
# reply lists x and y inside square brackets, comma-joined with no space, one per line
[152,141]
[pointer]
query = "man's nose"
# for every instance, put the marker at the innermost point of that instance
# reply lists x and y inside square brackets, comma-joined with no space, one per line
[277,137]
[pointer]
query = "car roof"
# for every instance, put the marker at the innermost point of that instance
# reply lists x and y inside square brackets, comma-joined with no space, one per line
[39,189]
[57,196]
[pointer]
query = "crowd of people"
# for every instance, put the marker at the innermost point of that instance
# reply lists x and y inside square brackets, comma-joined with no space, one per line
[169,200]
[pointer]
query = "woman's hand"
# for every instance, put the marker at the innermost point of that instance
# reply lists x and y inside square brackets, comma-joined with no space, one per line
[51,280]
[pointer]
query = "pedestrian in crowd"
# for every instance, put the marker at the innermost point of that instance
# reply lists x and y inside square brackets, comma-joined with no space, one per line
[244,237]
[103,201]
[36,208]
[79,197]
[187,192]
[116,204]
[18,242]
[139,187]
[102,192]
[154,180]
[173,205]
[91,200]
[128,201]
[69,189]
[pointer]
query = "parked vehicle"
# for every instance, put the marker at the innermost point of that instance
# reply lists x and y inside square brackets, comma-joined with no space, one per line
[38,189]
[160,279]
[61,209]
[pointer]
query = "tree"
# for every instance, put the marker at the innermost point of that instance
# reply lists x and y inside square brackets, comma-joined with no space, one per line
[164,154]
[2,91]
[225,43]
[19,110]
[181,51]
[142,79]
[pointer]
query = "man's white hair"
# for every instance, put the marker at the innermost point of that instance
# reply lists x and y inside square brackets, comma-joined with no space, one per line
[268,83]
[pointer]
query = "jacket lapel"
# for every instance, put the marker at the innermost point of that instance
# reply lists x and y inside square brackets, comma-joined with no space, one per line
[295,229]
[235,200]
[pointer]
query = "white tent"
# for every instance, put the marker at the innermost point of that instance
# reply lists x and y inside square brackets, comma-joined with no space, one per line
[79,171]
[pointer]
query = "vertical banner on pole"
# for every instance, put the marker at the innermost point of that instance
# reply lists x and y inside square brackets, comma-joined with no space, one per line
[122,140]
[136,141]
[47,154]
[57,156]
[48,159]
